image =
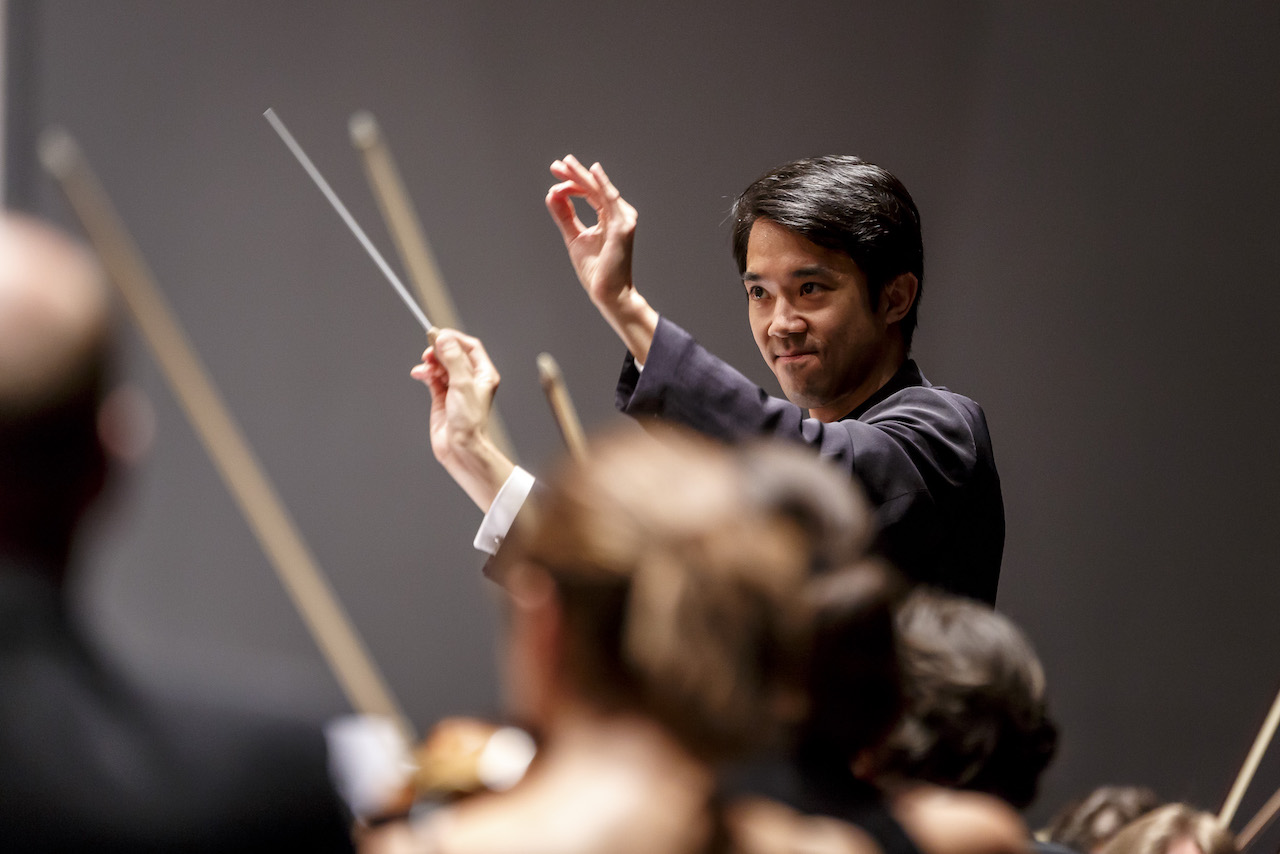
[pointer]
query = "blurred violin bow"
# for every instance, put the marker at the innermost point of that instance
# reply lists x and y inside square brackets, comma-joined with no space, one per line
[190,383]
[1250,766]
[411,241]
[562,406]
[1259,822]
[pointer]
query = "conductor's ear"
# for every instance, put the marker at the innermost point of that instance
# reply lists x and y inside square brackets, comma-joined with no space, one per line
[897,297]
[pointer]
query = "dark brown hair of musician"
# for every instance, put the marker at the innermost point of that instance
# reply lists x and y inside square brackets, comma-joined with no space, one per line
[1085,825]
[855,683]
[681,570]
[976,716]
[844,203]
[1158,830]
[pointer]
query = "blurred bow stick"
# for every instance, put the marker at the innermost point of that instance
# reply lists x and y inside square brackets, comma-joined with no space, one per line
[338,206]
[411,242]
[562,406]
[342,648]
[1251,763]
[1259,822]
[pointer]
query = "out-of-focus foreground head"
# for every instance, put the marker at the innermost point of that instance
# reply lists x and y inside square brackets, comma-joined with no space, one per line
[855,680]
[53,342]
[976,713]
[1173,829]
[1089,823]
[681,570]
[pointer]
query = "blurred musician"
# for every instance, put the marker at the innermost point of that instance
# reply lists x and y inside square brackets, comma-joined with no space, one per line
[659,623]
[975,734]
[1088,824]
[1173,829]
[87,761]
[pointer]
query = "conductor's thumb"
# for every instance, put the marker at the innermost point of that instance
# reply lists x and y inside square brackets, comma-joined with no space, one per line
[454,358]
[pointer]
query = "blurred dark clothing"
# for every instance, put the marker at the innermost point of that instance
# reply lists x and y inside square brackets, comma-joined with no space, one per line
[89,763]
[922,454]
[1038,847]
[846,798]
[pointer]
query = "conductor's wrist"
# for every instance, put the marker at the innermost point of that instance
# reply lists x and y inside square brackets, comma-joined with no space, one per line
[480,469]
[635,321]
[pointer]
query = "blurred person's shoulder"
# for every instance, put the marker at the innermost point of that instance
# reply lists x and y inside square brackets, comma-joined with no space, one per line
[947,821]
[763,826]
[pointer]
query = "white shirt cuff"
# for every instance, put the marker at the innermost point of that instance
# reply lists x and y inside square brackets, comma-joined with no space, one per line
[502,513]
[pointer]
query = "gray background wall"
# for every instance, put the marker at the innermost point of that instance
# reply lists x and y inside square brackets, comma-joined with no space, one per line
[1098,189]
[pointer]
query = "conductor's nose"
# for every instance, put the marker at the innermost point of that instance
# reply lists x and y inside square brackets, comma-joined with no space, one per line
[786,320]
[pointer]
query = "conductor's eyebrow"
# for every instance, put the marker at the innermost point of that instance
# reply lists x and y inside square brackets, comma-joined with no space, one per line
[812,270]
[798,273]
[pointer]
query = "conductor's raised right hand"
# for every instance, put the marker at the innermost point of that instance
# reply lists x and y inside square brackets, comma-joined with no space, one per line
[601,253]
[463,380]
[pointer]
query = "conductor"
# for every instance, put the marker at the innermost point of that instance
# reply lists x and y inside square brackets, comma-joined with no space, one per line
[831,260]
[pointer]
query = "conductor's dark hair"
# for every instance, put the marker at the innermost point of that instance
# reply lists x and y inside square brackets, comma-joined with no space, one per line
[976,715]
[843,203]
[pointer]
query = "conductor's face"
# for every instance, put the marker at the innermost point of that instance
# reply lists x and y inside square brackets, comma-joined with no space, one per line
[813,322]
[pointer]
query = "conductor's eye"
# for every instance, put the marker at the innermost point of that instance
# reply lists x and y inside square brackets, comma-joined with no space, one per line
[755,292]
[809,288]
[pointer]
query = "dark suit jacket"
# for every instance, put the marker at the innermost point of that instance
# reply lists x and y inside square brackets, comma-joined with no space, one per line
[922,453]
[87,763]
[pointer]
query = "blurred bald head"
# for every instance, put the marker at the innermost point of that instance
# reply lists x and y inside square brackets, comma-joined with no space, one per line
[53,342]
[53,311]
